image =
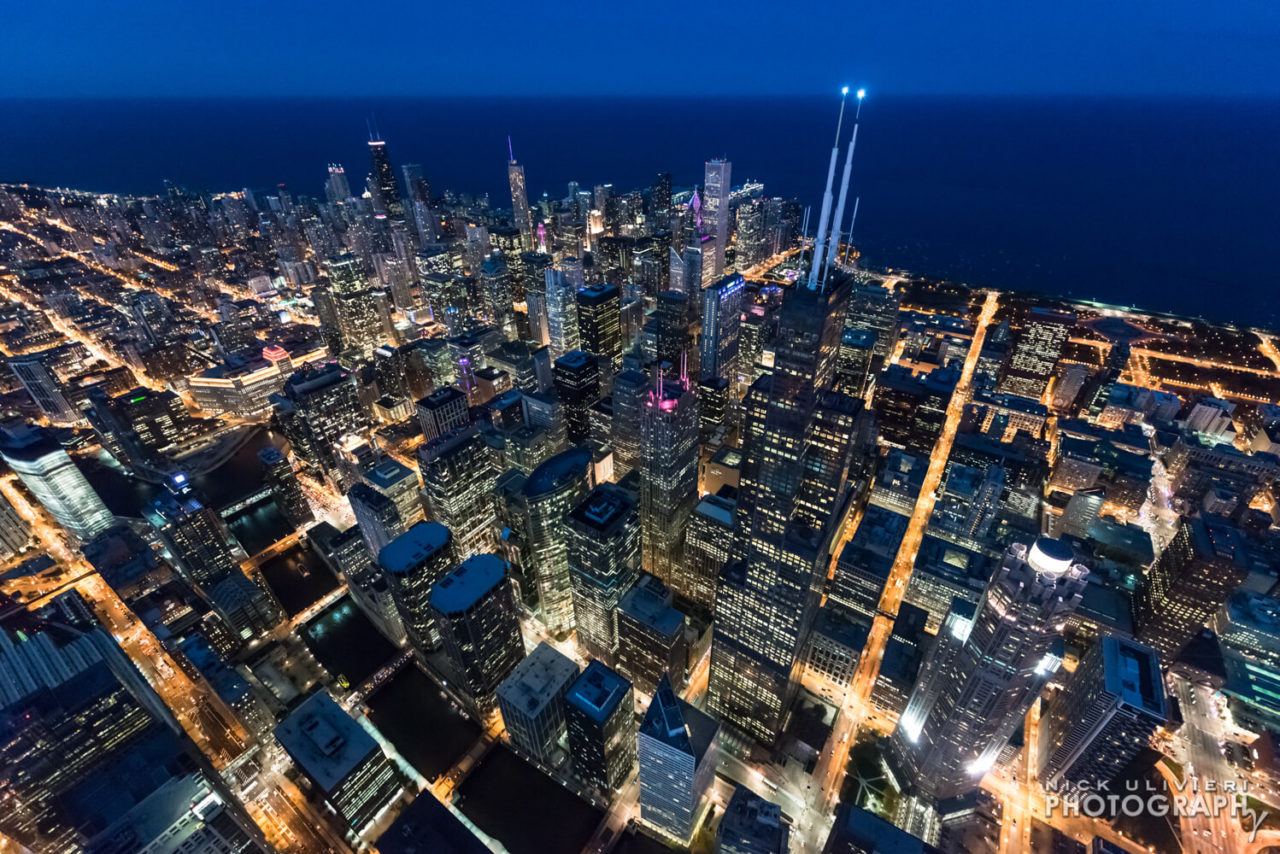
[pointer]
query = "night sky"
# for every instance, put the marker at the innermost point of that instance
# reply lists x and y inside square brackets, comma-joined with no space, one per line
[419,47]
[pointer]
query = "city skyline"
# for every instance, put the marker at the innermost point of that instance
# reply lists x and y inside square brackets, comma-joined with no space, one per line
[433,503]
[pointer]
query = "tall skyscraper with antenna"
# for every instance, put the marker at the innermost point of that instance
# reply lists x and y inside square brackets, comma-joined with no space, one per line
[519,200]
[797,457]
[386,198]
[827,238]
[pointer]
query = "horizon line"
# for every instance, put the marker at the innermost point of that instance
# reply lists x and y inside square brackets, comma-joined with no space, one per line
[633,96]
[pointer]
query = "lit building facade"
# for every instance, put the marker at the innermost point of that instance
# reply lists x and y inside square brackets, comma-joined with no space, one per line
[986,668]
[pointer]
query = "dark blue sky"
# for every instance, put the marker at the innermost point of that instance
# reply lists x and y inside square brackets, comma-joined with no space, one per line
[545,47]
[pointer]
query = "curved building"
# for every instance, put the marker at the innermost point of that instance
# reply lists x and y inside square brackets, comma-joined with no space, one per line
[49,473]
[554,488]
[987,667]
[479,621]
[412,563]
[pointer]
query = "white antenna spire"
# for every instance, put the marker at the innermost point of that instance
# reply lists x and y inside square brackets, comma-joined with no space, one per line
[844,185]
[804,235]
[848,246]
[819,246]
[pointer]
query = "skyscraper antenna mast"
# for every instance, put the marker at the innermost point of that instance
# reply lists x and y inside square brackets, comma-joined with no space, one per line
[848,244]
[511,152]
[844,187]
[804,234]
[824,219]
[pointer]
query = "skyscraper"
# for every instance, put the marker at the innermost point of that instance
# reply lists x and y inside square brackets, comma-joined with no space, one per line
[706,548]
[577,381]
[600,325]
[672,340]
[479,621]
[1194,575]
[715,215]
[750,234]
[721,316]
[1036,353]
[751,825]
[346,767]
[604,561]
[660,200]
[459,471]
[562,306]
[600,718]
[336,187]
[668,478]
[442,411]
[986,668]
[376,516]
[686,268]
[44,387]
[677,763]
[630,387]
[85,742]
[49,474]
[531,700]
[1104,716]
[519,200]
[15,534]
[554,488]
[317,407]
[386,198]
[399,484]
[651,641]
[282,480]
[796,460]
[412,563]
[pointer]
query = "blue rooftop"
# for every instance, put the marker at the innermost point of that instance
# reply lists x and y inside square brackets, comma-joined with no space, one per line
[468,583]
[408,551]
[598,691]
[558,471]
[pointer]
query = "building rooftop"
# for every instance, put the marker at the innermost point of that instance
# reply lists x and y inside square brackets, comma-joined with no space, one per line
[558,471]
[720,510]
[649,602]
[750,818]
[860,830]
[538,680]
[848,630]
[388,474]
[575,360]
[324,740]
[429,827]
[440,397]
[603,510]
[468,583]
[162,809]
[678,724]
[1132,673]
[598,691]
[41,660]
[411,549]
